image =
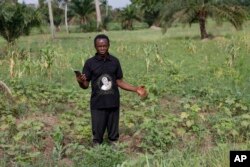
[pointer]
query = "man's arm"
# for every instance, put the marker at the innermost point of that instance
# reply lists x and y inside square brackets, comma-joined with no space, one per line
[140,90]
[82,80]
[126,86]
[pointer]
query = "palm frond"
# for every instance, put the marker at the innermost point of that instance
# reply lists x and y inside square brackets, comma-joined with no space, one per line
[189,11]
[236,15]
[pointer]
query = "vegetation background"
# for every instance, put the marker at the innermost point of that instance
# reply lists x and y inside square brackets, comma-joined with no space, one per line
[196,112]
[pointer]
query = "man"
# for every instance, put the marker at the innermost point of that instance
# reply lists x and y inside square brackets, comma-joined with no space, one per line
[105,74]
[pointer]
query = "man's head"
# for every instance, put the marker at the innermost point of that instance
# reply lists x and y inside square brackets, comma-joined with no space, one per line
[101,43]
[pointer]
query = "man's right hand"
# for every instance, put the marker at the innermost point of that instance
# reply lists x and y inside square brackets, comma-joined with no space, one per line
[81,78]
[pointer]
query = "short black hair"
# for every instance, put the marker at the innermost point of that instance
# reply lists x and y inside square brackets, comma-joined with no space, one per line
[101,36]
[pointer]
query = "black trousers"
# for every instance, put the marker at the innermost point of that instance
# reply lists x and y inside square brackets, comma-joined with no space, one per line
[103,119]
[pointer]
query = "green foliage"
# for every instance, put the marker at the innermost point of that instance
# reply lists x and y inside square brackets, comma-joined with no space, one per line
[59,149]
[17,20]
[57,13]
[128,15]
[150,9]
[8,128]
[23,142]
[30,131]
[88,27]
[189,12]
[186,157]
[158,136]
[48,55]
[77,126]
[196,101]
[82,8]
[103,155]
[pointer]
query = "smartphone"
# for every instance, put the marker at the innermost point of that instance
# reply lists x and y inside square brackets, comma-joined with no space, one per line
[78,73]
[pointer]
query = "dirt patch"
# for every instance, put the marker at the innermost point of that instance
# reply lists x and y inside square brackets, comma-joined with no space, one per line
[133,142]
[125,138]
[65,162]
[171,103]
[1,153]
[207,144]
[48,146]
[49,120]
[155,28]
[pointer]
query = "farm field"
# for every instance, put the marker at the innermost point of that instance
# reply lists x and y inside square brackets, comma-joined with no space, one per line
[196,112]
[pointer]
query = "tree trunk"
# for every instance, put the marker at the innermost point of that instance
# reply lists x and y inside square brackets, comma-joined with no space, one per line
[202,22]
[98,14]
[107,9]
[203,30]
[52,29]
[130,24]
[66,18]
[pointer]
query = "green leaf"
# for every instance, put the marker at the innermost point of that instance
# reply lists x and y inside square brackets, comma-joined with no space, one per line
[245,123]
[181,131]
[189,123]
[184,115]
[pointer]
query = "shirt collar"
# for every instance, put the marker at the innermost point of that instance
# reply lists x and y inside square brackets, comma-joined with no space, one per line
[99,58]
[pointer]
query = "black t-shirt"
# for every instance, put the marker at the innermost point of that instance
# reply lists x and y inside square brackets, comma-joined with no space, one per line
[103,74]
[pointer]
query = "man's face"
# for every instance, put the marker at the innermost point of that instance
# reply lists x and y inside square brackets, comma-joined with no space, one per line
[102,46]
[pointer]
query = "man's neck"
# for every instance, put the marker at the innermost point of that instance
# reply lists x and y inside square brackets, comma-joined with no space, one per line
[104,56]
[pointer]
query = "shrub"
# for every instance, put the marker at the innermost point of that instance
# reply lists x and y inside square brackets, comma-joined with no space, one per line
[16,20]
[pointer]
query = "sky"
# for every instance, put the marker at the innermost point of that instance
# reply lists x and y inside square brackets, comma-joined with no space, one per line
[113,3]
[118,3]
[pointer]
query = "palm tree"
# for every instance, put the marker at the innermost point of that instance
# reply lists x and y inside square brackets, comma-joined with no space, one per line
[52,29]
[191,11]
[16,20]
[104,3]
[105,8]
[128,15]
[66,16]
[82,8]
[64,3]
[98,14]
[150,10]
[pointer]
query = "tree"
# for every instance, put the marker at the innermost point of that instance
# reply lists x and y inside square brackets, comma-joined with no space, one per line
[83,8]
[53,13]
[192,11]
[246,5]
[98,14]
[57,14]
[106,6]
[66,15]
[16,20]
[65,4]
[52,30]
[150,10]
[128,15]
[106,13]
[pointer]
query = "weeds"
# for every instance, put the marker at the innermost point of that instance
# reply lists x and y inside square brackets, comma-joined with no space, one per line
[207,85]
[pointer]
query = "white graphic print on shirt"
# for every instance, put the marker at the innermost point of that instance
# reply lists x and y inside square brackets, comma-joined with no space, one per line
[105,84]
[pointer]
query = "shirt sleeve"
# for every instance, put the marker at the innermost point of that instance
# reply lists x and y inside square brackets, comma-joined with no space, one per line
[119,74]
[86,70]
